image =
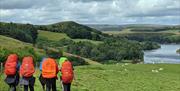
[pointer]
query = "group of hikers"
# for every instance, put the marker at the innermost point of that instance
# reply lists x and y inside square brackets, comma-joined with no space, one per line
[50,71]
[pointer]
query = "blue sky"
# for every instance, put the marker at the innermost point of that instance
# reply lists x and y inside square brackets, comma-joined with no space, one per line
[91,11]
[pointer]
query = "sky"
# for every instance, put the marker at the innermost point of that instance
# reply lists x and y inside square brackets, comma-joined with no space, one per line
[91,11]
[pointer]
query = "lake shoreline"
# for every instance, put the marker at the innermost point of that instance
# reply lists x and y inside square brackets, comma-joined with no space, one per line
[165,54]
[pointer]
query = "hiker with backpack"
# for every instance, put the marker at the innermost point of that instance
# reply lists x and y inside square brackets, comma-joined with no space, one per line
[12,71]
[26,72]
[49,73]
[66,73]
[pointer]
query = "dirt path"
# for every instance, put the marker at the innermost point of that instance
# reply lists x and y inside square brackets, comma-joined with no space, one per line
[91,62]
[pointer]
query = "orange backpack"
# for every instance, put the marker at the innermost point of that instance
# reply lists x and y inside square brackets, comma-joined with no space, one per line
[11,64]
[49,68]
[67,72]
[27,68]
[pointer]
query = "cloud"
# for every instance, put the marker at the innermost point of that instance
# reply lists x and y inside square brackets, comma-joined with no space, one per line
[91,11]
[15,4]
[5,13]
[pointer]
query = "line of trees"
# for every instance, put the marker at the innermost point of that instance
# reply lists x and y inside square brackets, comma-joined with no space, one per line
[154,29]
[109,50]
[153,37]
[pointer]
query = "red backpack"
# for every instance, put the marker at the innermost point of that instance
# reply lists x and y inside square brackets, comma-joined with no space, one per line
[67,72]
[27,68]
[11,64]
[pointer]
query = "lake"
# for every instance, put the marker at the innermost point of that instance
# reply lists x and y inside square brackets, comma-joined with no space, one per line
[165,54]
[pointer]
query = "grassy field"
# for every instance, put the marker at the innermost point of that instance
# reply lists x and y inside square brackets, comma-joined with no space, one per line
[11,43]
[58,36]
[52,35]
[120,77]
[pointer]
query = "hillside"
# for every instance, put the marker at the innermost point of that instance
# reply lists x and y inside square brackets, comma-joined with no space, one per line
[131,28]
[120,77]
[73,30]
[147,32]
[106,27]
[28,32]
[15,45]
[11,43]
[53,36]
[81,40]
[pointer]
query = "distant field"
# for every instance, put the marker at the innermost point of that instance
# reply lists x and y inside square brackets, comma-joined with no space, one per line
[11,43]
[120,77]
[58,36]
[52,35]
[129,31]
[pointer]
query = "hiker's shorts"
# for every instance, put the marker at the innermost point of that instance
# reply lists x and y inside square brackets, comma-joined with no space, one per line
[12,80]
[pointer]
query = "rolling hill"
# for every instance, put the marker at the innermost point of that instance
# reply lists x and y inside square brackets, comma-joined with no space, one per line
[73,30]
[134,28]
[14,44]
[28,32]
[53,36]
[143,32]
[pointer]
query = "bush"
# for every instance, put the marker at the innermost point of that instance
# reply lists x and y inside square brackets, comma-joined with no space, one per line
[178,51]
[76,61]
[3,54]
[147,45]
[53,53]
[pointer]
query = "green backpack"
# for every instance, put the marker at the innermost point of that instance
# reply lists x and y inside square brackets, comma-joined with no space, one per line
[60,62]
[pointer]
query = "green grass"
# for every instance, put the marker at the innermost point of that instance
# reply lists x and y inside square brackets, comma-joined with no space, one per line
[11,43]
[52,35]
[58,36]
[121,77]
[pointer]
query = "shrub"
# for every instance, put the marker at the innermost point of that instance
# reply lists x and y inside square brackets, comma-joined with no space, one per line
[3,54]
[76,61]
